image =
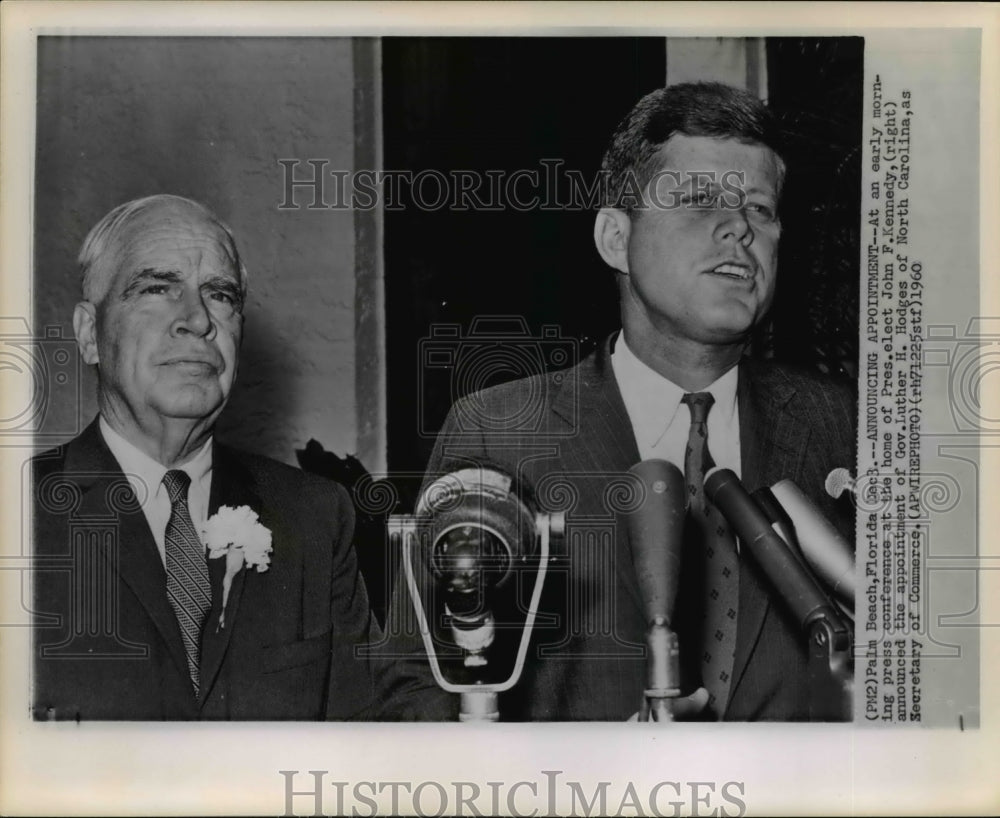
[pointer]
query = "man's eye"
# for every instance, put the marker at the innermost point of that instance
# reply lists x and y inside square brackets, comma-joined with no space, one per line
[229,299]
[762,210]
[155,289]
[700,199]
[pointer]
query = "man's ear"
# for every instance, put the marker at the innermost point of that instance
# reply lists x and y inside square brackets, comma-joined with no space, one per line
[85,329]
[612,228]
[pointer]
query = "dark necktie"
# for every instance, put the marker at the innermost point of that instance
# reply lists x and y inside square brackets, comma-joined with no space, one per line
[188,588]
[717,552]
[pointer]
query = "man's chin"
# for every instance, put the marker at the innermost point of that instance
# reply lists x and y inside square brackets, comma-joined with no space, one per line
[724,334]
[191,402]
[730,325]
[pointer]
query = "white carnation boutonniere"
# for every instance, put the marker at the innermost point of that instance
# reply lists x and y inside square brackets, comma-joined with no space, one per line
[235,533]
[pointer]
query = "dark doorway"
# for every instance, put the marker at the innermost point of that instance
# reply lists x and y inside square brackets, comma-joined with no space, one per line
[815,84]
[456,105]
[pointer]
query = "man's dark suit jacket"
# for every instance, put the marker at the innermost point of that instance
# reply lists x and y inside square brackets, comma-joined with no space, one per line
[107,644]
[569,435]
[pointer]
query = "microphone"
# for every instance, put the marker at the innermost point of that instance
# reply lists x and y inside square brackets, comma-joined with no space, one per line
[472,531]
[778,517]
[826,551]
[838,481]
[827,636]
[656,537]
[480,533]
[792,580]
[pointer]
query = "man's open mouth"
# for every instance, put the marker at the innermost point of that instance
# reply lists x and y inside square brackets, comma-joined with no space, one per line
[739,272]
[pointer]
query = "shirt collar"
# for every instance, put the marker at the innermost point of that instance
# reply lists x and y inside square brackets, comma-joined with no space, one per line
[652,401]
[145,474]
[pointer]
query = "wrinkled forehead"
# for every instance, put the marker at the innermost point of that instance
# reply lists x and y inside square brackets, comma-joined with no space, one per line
[176,231]
[169,236]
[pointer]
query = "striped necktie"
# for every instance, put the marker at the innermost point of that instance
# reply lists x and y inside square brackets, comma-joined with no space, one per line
[188,587]
[716,551]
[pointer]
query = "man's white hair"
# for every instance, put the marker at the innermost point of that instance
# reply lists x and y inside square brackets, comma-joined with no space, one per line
[103,235]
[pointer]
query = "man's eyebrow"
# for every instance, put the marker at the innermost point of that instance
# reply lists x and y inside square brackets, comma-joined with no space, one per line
[765,191]
[151,274]
[700,180]
[221,281]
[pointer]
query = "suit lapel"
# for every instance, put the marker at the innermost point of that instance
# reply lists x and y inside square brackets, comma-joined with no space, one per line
[591,401]
[106,493]
[773,439]
[605,438]
[773,445]
[232,485]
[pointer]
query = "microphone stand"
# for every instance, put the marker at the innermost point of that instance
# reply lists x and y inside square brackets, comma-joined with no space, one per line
[478,701]
[830,667]
[663,672]
[479,705]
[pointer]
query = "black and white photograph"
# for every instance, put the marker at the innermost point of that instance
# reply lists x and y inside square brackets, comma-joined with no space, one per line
[413,412]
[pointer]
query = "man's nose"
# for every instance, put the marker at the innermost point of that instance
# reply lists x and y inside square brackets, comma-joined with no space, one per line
[735,226]
[193,316]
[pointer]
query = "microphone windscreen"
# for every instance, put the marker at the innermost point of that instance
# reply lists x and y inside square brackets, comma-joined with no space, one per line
[656,535]
[828,553]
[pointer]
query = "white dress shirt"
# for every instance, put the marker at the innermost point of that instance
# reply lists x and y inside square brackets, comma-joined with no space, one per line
[145,476]
[661,423]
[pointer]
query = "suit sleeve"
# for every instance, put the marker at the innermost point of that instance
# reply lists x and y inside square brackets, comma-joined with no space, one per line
[354,628]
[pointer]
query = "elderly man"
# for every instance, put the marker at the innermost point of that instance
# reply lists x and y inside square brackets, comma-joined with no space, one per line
[135,619]
[690,227]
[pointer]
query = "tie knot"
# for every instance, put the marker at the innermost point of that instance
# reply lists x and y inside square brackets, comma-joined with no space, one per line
[176,482]
[699,403]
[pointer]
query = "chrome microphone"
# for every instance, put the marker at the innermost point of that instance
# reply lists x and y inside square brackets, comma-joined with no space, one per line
[474,531]
[480,532]
[826,551]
